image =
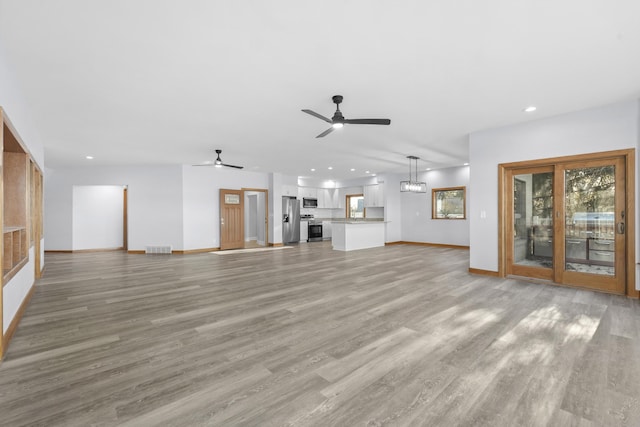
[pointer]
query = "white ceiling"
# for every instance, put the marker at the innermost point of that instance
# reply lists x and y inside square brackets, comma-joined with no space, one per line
[167,82]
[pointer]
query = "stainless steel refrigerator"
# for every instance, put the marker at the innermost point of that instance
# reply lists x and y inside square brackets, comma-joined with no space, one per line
[290,220]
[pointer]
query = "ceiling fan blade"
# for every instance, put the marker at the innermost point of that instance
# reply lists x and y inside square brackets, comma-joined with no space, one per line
[320,116]
[232,166]
[326,132]
[368,121]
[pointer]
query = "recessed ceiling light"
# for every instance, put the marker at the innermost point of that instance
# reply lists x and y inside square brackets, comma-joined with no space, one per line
[352,170]
[330,168]
[373,174]
[428,169]
[313,169]
[366,171]
[465,164]
[89,157]
[530,109]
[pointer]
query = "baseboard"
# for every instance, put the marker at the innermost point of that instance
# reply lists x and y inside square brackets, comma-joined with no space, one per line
[136,252]
[276,245]
[6,338]
[196,251]
[484,272]
[437,245]
[81,251]
[57,251]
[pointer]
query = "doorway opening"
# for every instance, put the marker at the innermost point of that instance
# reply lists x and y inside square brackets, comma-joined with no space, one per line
[570,220]
[99,218]
[256,218]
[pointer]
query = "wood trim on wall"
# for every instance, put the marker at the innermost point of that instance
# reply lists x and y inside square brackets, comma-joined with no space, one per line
[6,338]
[484,272]
[438,245]
[81,251]
[2,119]
[631,226]
[196,251]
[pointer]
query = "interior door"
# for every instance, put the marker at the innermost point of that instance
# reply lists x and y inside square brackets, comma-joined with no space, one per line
[567,223]
[231,219]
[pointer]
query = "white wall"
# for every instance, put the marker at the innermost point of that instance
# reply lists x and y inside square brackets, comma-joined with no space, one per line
[392,207]
[201,201]
[417,225]
[154,203]
[16,107]
[98,217]
[606,128]
[14,292]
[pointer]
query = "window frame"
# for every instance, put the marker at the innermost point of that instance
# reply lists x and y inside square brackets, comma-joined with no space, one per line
[434,198]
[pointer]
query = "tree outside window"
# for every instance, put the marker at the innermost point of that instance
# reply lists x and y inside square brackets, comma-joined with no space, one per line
[448,203]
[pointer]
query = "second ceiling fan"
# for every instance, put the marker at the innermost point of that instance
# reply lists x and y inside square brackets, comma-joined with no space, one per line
[338,120]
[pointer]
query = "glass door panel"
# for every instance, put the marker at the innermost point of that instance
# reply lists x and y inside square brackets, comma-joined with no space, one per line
[531,251]
[594,240]
[590,220]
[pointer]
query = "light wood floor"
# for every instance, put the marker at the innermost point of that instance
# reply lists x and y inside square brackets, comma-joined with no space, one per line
[401,335]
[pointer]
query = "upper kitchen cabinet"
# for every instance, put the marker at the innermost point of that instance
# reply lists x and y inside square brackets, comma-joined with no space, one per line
[373,196]
[290,190]
[308,193]
[327,198]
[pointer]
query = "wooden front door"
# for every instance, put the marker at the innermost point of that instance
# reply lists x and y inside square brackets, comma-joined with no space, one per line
[231,219]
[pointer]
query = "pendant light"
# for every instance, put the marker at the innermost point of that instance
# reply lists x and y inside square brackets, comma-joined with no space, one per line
[413,185]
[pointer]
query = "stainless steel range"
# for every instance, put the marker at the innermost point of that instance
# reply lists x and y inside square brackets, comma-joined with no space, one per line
[315,231]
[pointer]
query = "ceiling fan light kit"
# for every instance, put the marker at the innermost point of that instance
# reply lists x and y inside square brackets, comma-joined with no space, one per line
[218,162]
[413,185]
[338,120]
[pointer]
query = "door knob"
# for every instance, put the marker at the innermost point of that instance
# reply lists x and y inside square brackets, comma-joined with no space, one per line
[620,227]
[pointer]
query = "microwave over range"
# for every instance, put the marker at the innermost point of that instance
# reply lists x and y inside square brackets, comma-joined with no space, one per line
[309,202]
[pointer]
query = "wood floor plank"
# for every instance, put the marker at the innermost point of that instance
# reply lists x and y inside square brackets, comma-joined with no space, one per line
[400,335]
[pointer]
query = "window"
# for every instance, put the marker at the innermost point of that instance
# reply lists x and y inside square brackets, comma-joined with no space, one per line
[355,206]
[448,203]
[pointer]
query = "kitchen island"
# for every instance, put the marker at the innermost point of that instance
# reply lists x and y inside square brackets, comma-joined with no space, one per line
[357,234]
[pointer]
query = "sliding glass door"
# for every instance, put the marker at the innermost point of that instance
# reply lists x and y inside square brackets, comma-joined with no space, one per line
[566,223]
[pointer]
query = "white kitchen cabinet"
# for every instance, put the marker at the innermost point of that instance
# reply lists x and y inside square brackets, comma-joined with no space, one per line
[308,193]
[327,198]
[373,196]
[326,230]
[304,231]
[290,190]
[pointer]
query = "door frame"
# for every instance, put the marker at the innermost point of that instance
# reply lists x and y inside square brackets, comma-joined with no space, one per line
[630,246]
[266,210]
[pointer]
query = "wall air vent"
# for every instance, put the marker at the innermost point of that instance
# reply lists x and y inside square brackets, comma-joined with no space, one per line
[164,249]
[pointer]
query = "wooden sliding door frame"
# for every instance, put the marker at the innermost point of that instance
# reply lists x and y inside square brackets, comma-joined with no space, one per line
[503,207]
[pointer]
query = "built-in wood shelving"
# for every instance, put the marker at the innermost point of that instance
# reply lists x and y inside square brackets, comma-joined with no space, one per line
[20,216]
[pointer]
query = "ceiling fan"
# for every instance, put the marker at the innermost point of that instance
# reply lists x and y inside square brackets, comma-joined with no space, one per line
[218,163]
[338,120]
